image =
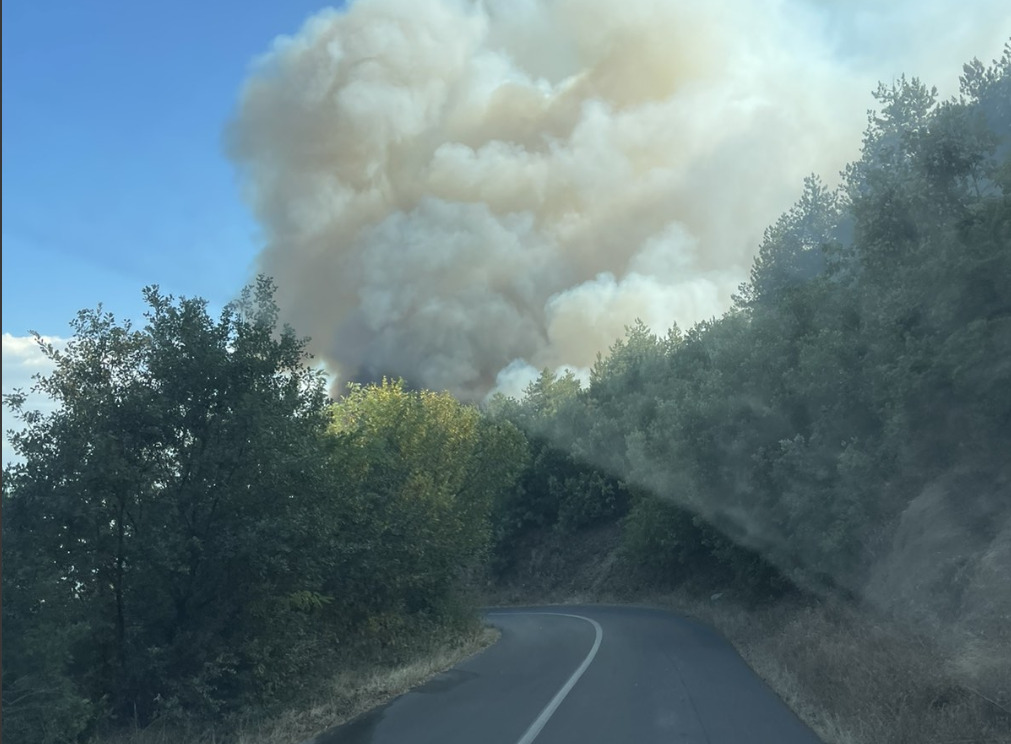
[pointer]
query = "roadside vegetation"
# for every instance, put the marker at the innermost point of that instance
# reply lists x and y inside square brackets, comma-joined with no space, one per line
[198,537]
[824,471]
[198,534]
[353,689]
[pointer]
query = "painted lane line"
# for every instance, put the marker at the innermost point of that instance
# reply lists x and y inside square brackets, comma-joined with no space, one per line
[551,707]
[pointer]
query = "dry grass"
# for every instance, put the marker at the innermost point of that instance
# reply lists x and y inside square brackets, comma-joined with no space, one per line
[855,679]
[348,694]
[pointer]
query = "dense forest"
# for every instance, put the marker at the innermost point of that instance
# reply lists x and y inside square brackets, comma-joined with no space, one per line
[198,530]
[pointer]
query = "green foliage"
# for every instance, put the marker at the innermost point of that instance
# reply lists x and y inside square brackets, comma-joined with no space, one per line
[666,540]
[196,530]
[867,354]
[560,486]
[674,547]
[41,701]
[170,495]
[426,472]
[796,248]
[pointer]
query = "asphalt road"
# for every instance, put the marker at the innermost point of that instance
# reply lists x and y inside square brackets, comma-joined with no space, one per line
[588,675]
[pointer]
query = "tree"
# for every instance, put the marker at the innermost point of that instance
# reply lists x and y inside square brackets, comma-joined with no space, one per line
[169,504]
[426,471]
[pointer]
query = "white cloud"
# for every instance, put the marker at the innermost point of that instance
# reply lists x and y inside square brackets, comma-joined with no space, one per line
[22,360]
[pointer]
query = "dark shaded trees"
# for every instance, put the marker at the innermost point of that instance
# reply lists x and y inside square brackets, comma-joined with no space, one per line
[198,531]
[867,354]
[165,506]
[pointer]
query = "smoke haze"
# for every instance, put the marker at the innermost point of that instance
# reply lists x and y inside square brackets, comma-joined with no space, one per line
[462,193]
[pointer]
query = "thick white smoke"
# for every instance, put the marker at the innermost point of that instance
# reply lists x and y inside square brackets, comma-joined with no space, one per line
[456,192]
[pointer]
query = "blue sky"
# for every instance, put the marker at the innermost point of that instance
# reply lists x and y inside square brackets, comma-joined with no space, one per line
[113,169]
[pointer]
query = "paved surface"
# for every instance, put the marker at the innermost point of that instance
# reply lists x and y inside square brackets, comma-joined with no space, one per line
[588,675]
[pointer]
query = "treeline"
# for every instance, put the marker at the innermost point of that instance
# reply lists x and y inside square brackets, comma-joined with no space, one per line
[865,367]
[868,356]
[198,532]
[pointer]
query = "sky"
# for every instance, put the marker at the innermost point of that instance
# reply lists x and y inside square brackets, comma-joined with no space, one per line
[115,173]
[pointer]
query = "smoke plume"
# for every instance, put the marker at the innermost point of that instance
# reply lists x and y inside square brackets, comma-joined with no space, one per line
[459,193]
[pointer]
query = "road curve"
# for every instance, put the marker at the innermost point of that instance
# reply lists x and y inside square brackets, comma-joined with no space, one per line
[587,675]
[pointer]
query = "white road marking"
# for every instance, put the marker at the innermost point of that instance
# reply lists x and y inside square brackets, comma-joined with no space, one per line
[551,707]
